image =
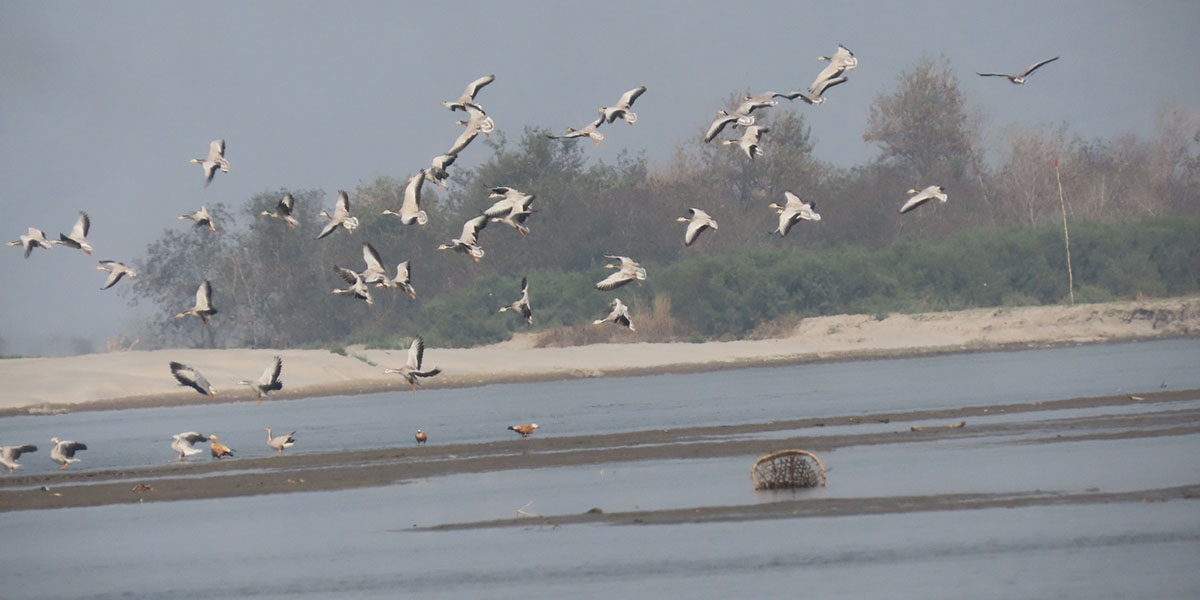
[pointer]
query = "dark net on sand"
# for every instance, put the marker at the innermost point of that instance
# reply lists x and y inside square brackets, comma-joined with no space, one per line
[787,469]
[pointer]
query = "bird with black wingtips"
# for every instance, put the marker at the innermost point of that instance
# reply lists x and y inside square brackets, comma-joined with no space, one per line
[697,221]
[411,371]
[628,270]
[794,211]
[185,443]
[588,131]
[78,237]
[1019,79]
[63,451]
[468,241]
[269,380]
[280,442]
[283,210]
[468,95]
[410,210]
[358,287]
[920,197]
[618,315]
[33,238]
[10,454]
[189,377]
[215,159]
[521,305]
[622,109]
[203,309]
[340,217]
[749,142]
[202,218]
[116,271]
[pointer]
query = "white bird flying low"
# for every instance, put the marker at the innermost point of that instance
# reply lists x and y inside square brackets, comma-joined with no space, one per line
[411,371]
[267,382]
[78,237]
[468,241]
[34,237]
[410,210]
[10,454]
[618,315]
[933,192]
[793,212]
[843,60]
[185,443]
[697,221]
[116,271]
[589,131]
[815,93]
[627,271]
[203,307]
[621,110]
[358,287]
[215,158]
[341,216]
[522,304]
[1020,78]
[283,210]
[63,452]
[279,442]
[189,377]
[512,208]
[749,142]
[468,95]
[202,219]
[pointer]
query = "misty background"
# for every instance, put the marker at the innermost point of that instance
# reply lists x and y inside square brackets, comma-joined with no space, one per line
[104,104]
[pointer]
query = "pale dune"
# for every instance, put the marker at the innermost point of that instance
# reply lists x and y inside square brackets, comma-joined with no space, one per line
[142,378]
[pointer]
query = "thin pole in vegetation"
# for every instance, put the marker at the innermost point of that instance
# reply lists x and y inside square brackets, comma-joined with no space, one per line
[1066,236]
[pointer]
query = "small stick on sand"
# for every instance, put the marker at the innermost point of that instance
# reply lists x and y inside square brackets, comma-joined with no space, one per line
[958,425]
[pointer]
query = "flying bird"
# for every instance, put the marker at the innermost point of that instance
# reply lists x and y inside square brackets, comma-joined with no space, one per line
[215,158]
[410,210]
[814,95]
[621,110]
[202,219]
[218,450]
[78,237]
[203,308]
[267,382]
[618,315]
[512,208]
[749,142]
[63,452]
[411,370]
[437,173]
[341,216]
[10,454]
[116,271]
[1019,79]
[280,442]
[724,119]
[189,377]
[587,131]
[841,61]
[421,437]
[697,221]
[185,443]
[468,95]
[283,210]
[627,271]
[468,241]
[34,237]
[793,212]
[358,287]
[921,197]
[524,430]
[522,304]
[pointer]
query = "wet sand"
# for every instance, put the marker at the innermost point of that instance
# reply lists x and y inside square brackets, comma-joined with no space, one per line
[203,479]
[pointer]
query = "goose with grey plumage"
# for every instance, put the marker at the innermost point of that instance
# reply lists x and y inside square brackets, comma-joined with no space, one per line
[203,309]
[340,217]
[10,454]
[618,315]
[628,270]
[116,271]
[283,211]
[1019,79]
[412,371]
[63,452]
[750,141]
[521,306]
[468,241]
[280,442]
[267,382]
[919,197]
[589,131]
[215,159]
[698,221]
[185,444]
[794,211]
[622,109]
[467,98]
[358,287]
[410,210]
[189,377]
[78,237]
[202,218]
[33,238]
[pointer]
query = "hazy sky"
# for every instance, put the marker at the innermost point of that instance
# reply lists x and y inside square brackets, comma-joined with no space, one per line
[103,103]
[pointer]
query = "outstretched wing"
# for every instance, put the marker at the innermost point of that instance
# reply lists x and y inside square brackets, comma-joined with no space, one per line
[1037,66]
[628,98]
[416,353]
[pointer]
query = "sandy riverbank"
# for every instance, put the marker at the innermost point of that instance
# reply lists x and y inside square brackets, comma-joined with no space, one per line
[132,379]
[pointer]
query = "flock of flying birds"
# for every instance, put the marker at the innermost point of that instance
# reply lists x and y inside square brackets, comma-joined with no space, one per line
[512,207]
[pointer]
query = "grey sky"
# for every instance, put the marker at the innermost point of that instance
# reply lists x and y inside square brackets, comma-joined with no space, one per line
[104,103]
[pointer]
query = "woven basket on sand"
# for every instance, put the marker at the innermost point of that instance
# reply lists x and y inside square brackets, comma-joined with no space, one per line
[787,469]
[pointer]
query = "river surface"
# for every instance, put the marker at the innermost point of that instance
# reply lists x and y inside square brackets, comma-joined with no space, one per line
[360,543]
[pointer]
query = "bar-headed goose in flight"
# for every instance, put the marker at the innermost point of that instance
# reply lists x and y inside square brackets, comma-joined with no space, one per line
[513,207]
[116,271]
[78,237]
[410,210]
[437,173]
[376,273]
[697,221]
[411,371]
[618,315]
[215,158]
[468,241]
[34,237]
[814,95]
[10,454]
[189,377]
[341,216]
[217,449]
[524,430]
[358,287]
[202,219]
[627,271]
[203,308]
[283,211]
[725,118]
[1019,79]
[921,197]
[522,304]
[185,443]
[588,131]
[749,142]
[267,382]
[841,61]
[793,212]
[63,451]
[477,120]
[279,442]
[621,110]
[468,95]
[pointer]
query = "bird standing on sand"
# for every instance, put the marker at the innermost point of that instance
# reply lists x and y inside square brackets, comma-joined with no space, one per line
[341,216]
[280,442]
[421,437]
[64,451]
[283,211]
[267,382]
[621,110]
[215,158]
[921,197]
[116,271]
[524,430]
[627,271]
[189,377]
[411,370]
[618,315]
[10,454]
[185,443]
[202,219]
[203,307]
[218,450]
[78,237]
[697,221]
[1019,79]
[793,212]
[34,237]
[522,304]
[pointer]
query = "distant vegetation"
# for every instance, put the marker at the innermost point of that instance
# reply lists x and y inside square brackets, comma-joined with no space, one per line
[1132,204]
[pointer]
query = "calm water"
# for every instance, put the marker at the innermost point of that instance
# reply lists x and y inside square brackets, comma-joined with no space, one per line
[358,543]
